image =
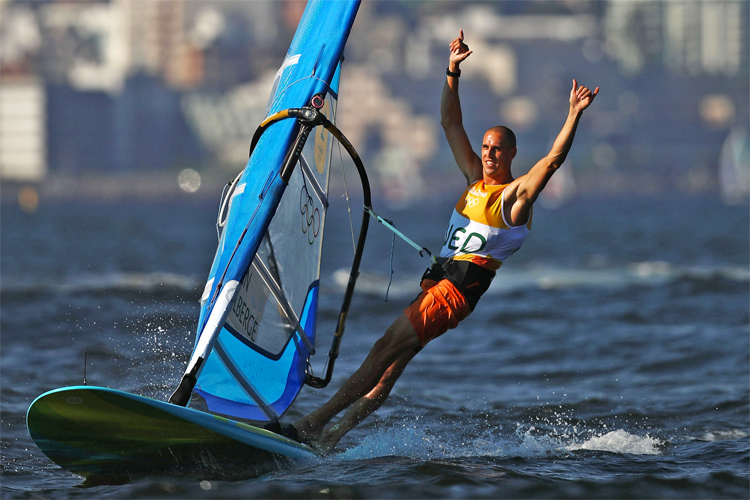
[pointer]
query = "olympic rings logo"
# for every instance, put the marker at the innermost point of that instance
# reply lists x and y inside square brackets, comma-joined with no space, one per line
[471,201]
[310,216]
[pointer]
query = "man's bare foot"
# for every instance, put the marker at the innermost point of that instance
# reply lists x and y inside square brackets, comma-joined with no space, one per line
[307,431]
[328,439]
[324,446]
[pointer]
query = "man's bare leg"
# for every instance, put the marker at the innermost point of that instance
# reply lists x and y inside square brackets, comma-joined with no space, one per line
[398,339]
[366,405]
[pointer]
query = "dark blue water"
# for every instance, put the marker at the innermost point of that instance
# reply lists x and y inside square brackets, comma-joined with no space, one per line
[610,358]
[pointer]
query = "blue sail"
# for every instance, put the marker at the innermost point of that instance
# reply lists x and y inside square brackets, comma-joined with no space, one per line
[259,306]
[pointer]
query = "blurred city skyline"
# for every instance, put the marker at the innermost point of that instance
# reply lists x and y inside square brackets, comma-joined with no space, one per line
[152,90]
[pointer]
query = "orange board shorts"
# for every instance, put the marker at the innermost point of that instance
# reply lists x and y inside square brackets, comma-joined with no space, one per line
[437,309]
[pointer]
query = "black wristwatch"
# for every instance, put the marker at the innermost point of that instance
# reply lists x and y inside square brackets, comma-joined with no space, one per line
[451,73]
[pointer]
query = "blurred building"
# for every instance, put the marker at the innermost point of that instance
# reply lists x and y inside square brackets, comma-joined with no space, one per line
[158,40]
[23,134]
[107,79]
[145,85]
[96,46]
[689,37]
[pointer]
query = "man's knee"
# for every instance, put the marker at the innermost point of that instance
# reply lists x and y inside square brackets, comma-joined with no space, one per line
[385,350]
[398,339]
[390,376]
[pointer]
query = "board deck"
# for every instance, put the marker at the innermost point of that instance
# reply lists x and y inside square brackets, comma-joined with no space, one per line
[96,431]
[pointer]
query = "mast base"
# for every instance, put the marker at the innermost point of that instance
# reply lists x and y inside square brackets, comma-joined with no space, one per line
[181,396]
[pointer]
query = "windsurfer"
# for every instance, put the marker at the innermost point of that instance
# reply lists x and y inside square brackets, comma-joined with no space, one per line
[489,223]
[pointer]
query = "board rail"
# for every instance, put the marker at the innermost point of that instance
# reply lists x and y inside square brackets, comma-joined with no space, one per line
[98,431]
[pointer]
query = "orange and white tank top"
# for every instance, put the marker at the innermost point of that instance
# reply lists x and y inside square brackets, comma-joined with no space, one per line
[478,231]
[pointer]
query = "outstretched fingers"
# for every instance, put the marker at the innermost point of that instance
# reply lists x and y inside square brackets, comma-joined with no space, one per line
[581,96]
[459,48]
[457,42]
[582,90]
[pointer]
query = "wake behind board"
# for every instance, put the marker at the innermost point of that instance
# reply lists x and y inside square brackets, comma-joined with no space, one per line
[96,431]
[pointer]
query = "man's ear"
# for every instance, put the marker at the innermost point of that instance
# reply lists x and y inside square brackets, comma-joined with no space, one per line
[513,152]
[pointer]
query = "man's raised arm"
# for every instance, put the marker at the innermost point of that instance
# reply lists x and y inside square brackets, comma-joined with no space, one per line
[526,189]
[451,118]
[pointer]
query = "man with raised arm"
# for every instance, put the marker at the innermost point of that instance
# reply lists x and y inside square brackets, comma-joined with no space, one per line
[489,223]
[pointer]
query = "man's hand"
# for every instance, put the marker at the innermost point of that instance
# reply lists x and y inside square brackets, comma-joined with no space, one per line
[459,51]
[580,97]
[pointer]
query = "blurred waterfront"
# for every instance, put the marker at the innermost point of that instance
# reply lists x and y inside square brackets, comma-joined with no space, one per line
[113,99]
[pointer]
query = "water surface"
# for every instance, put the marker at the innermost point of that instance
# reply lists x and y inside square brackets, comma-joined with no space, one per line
[610,358]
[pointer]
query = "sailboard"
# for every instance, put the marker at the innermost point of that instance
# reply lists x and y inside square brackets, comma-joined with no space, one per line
[258,314]
[97,432]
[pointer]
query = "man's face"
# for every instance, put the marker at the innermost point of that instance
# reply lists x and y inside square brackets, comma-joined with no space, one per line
[496,155]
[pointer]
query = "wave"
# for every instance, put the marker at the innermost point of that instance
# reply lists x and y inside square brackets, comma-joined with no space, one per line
[156,282]
[722,435]
[373,283]
[546,277]
[620,441]
[416,440]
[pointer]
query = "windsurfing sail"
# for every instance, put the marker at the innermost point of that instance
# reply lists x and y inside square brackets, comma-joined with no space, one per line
[259,307]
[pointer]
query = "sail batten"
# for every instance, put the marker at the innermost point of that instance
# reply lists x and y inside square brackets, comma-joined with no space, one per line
[248,388]
[313,181]
[283,303]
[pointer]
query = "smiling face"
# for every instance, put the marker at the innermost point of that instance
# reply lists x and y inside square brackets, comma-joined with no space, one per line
[498,151]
